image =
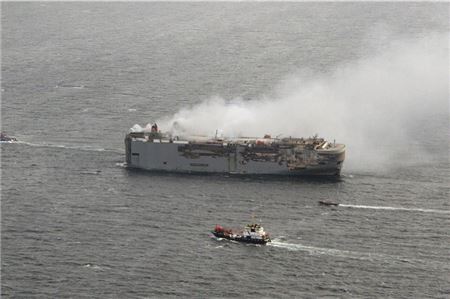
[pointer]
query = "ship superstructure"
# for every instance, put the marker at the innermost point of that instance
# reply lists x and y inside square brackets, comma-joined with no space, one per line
[198,154]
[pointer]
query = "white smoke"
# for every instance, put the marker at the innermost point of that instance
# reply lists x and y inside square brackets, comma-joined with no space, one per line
[369,104]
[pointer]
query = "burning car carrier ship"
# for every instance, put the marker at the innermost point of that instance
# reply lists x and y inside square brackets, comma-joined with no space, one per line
[273,156]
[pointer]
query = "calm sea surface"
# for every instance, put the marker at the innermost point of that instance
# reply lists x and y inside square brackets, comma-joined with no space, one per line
[76,223]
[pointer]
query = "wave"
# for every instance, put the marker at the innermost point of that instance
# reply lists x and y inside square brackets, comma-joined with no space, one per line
[93,266]
[121,164]
[70,86]
[395,209]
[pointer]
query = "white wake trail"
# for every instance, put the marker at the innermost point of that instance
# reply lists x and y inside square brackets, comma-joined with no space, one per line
[368,256]
[395,209]
[69,147]
[325,251]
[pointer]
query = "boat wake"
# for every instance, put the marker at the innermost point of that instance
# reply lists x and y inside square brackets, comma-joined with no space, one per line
[368,256]
[324,251]
[71,147]
[395,209]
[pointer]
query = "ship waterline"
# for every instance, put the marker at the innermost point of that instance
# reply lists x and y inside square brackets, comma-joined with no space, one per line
[272,156]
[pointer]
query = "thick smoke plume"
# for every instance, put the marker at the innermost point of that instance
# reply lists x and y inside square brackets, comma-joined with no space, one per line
[371,105]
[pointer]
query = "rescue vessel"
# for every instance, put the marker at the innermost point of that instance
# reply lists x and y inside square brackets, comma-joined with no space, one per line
[252,233]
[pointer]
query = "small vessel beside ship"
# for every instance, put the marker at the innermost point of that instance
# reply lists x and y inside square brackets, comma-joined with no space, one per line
[6,139]
[252,233]
[328,203]
[157,151]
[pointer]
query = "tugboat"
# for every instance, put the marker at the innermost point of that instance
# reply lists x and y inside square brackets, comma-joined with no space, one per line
[7,139]
[252,233]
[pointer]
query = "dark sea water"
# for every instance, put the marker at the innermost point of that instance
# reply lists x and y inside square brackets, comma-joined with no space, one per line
[76,223]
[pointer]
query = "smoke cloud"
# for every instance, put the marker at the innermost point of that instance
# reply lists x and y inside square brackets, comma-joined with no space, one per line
[373,105]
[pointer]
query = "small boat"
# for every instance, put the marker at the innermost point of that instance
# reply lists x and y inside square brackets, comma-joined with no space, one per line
[6,138]
[252,233]
[328,203]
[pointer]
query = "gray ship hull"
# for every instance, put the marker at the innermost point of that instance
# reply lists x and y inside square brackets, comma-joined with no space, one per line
[232,158]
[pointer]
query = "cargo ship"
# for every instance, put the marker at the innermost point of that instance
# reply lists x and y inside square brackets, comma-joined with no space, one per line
[157,151]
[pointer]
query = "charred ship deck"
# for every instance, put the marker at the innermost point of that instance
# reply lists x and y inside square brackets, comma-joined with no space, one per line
[274,156]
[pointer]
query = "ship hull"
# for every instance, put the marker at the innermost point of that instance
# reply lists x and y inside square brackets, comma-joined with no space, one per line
[185,157]
[241,238]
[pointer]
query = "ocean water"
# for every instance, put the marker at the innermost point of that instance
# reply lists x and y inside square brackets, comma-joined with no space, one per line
[75,222]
